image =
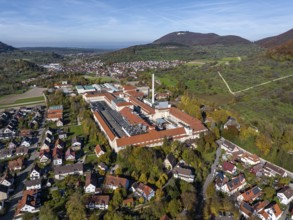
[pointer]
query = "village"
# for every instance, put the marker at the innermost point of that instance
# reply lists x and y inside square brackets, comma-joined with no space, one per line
[43,152]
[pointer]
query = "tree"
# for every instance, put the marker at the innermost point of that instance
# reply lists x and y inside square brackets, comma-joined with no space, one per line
[143,178]
[269,192]
[188,199]
[117,198]
[46,213]
[174,207]
[75,209]
[264,143]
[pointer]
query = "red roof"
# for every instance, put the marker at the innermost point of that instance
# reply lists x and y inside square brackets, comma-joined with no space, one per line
[151,137]
[194,123]
[135,94]
[98,149]
[131,117]
[227,166]
[128,88]
[146,108]
[106,128]
[116,181]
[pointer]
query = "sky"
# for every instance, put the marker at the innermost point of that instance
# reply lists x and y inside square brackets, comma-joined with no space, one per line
[121,23]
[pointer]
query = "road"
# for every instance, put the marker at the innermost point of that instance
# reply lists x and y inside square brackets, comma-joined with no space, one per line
[210,177]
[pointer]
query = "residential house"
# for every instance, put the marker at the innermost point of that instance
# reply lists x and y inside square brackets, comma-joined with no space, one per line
[220,180]
[228,146]
[30,202]
[57,155]
[90,182]
[257,169]
[12,145]
[229,168]
[98,150]
[20,151]
[46,145]
[6,153]
[35,172]
[3,192]
[33,184]
[75,144]
[73,169]
[70,155]
[50,131]
[246,209]
[272,170]
[250,195]
[55,113]
[250,159]
[62,135]
[15,165]
[143,190]
[6,179]
[102,166]
[185,174]
[232,122]
[170,162]
[128,202]
[234,185]
[25,142]
[59,144]
[98,202]
[271,212]
[45,155]
[59,123]
[285,195]
[114,182]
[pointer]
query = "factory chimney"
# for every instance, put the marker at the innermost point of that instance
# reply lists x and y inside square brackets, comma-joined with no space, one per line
[153,88]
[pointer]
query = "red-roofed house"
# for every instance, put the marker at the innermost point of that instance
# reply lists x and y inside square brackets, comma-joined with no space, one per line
[114,182]
[229,167]
[143,190]
[98,150]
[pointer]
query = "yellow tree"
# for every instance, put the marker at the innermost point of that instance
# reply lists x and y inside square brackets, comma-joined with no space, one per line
[264,143]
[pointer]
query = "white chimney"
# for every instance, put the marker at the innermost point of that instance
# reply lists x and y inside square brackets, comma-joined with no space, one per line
[153,88]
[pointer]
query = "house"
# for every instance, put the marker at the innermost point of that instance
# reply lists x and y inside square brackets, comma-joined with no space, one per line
[246,209]
[272,170]
[59,122]
[6,179]
[128,202]
[62,135]
[257,169]
[259,206]
[3,192]
[220,180]
[30,202]
[73,169]
[102,166]
[234,185]
[250,159]
[170,162]
[20,151]
[114,182]
[35,173]
[15,165]
[6,153]
[12,145]
[98,150]
[232,122]
[183,174]
[272,212]
[250,195]
[69,155]
[229,167]
[50,131]
[33,184]
[75,144]
[26,142]
[55,113]
[59,144]
[90,183]
[57,156]
[98,202]
[228,146]
[46,145]
[44,155]
[143,190]
[285,195]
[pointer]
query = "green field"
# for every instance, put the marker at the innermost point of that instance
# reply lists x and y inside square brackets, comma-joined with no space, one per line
[103,79]
[26,100]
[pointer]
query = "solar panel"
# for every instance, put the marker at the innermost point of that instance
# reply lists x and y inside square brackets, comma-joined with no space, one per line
[255,190]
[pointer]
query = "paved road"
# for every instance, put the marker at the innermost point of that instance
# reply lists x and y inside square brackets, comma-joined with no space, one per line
[210,177]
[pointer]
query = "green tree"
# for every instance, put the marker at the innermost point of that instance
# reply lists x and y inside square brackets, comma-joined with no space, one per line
[174,207]
[75,209]
[46,213]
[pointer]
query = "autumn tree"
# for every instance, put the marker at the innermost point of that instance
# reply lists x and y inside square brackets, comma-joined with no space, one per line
[264,143]
[75,209]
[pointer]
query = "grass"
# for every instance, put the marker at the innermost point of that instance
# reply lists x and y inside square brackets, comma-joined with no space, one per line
[26,100]
[103,79]
[76,130]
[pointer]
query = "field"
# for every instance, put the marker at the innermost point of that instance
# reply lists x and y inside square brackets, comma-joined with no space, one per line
[31,97]
[103,79]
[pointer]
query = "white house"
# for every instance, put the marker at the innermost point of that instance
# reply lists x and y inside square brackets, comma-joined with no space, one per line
[98,202]
[228,146]
[7,179]
[33,184]
[234,185]
[285,195]
[90,183]
[63,171]
[271,212]
[143,190]
[30,202]
[25,143]
[35,173]
[183,174]
[250,159]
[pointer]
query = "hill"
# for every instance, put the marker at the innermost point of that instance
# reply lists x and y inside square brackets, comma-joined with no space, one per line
[5,47]
[193,39]
[282,52]
[275,41]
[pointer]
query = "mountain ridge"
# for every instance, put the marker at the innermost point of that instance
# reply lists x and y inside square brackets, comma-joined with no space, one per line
[5,47]
[276,41]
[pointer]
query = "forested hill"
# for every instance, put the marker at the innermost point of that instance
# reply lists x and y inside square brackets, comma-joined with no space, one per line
[192,39]
[275,41]
[5,47]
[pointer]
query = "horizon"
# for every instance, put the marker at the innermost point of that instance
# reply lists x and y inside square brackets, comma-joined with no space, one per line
[113,24]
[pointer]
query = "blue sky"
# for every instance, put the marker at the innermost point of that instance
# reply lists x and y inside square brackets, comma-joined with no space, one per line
[119,23]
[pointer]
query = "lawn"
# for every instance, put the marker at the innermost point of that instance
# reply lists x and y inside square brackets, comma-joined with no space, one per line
[33,99]
[76,130]
[104,79]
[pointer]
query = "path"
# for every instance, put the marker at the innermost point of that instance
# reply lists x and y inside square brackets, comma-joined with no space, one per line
[251,87]
[210,177]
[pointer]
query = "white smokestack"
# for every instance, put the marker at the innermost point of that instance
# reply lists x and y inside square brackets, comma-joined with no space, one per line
[153,88]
